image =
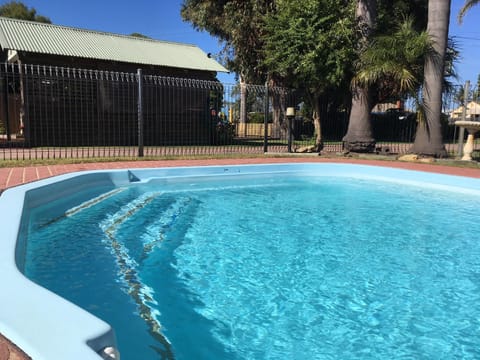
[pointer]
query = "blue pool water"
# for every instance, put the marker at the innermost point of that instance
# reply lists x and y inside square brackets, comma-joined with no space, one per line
[266,267]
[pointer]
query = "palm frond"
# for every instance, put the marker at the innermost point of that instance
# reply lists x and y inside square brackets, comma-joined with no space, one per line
[395,59]
[466,7]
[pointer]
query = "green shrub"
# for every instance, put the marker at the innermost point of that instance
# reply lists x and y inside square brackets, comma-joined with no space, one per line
[224,132]
[258,118]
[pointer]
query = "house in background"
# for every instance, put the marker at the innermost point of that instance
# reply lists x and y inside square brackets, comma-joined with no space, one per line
[471,114]
[65,107]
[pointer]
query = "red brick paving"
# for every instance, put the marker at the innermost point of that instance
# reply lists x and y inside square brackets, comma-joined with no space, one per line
[14,176]
[9,351]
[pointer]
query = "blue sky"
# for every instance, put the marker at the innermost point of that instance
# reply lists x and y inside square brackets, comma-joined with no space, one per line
[467,37]
[161,20]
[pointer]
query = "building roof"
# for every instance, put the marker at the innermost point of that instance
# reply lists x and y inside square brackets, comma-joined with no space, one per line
[51,39]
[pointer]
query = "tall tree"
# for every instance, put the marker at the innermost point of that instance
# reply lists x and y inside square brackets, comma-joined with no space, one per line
[387,60]
[308,45]
[18,10]
[239,25]
[359,136]
[428,138]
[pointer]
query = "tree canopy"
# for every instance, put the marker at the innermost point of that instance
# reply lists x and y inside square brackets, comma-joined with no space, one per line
[239,25]
[139,35]
[18,10]
[308,44]
[295,40]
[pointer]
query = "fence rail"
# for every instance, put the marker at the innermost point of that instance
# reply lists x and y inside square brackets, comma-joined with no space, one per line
[52,112]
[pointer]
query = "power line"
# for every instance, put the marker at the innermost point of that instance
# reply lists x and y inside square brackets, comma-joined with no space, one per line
[467,37]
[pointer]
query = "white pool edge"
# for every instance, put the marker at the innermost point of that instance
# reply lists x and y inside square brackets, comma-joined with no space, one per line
[46,326]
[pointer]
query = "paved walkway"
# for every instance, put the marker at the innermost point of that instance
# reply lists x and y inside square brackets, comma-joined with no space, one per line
[14,176]
[9,351]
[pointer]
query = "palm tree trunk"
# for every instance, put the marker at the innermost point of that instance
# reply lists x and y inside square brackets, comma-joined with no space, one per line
[428,138]
[359,136]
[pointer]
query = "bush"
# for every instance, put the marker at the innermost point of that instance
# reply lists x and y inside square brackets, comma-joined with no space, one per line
[224,132]
[258,118]
[303,129]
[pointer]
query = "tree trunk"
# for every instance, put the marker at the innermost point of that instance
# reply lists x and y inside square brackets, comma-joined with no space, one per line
[318,112]
[359,133]
[277,98]
[428,138]
[359,136]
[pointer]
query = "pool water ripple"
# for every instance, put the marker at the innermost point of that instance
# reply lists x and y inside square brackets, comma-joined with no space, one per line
[296,268]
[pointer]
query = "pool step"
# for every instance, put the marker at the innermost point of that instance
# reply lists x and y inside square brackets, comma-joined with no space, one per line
[112,222]
[141,293]
[155,232]
[87,204]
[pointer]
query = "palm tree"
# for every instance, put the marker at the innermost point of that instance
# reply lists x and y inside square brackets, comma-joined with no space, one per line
[467,6]
[428,138]
[393,64]
[359,136]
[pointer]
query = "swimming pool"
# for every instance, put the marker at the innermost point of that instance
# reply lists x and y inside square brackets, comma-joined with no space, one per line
[203,280]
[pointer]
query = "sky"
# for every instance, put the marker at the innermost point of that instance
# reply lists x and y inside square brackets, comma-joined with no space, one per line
[161,20]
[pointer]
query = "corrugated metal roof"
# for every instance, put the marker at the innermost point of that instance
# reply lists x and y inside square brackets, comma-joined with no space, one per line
[43,38]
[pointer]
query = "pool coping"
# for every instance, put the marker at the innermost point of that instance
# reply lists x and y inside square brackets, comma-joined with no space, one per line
[14,176]
[429,169]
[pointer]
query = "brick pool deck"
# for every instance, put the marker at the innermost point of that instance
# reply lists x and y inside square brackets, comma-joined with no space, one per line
[14,176]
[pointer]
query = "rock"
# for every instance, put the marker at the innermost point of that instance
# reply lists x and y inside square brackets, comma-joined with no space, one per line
[359,146]
[305,149]
[384,150]
[427,160]
[408,157]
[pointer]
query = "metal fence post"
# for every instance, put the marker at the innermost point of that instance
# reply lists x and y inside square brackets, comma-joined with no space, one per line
[265,121]
[290,119]
[140,112]
[461,131]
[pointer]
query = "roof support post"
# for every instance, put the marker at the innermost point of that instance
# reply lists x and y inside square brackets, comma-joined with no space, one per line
[140,112]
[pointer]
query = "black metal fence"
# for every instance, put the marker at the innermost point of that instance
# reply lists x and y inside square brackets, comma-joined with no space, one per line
[52,112]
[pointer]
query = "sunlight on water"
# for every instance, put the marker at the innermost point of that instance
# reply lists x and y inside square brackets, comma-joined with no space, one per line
[284,268]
